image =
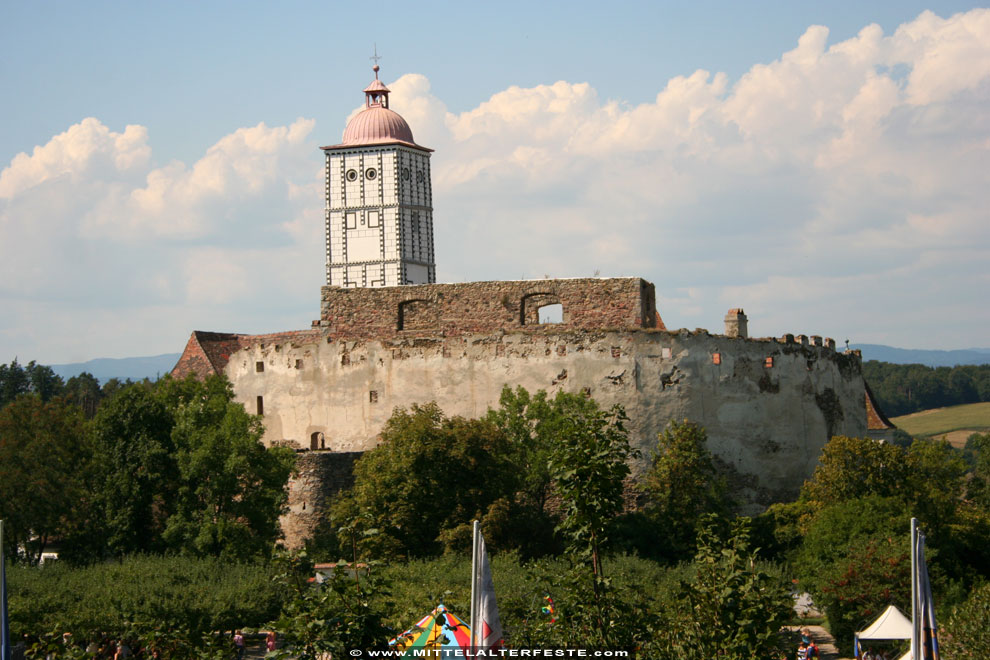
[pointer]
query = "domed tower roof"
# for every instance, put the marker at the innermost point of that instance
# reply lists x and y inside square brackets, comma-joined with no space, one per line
[377,124]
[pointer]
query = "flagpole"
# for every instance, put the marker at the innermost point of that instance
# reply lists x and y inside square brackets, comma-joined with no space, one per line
[914,588]
[474,586]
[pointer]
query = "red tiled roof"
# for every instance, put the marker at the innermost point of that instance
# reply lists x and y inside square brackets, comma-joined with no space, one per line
[208,353]
[875,419]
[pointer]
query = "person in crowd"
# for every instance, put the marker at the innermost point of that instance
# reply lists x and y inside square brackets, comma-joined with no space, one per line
[239,644]
[270,640]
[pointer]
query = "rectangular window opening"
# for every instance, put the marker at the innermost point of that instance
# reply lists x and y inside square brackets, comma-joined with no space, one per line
[261,405]
[259,367]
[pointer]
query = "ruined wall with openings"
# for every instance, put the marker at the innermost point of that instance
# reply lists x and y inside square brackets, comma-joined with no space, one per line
[451,310]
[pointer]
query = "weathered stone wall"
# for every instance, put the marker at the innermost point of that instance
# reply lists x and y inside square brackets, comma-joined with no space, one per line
[322,474]
[451,310]
[768,405]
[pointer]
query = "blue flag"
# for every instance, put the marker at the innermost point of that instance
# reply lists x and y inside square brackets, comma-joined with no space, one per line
[5,648]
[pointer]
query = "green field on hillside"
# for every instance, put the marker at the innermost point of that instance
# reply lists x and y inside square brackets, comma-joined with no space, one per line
[959,421]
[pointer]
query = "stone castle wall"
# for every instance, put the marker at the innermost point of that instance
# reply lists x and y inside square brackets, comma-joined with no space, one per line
[451,310]
[768,406]
[321,475]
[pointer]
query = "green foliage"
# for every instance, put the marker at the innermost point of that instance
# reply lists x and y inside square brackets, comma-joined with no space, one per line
[336,615]
[857,589]
[838,530]
[136,467]
[42,449]
[683,485]
[430,475]
[588,465]
[852,468]
[734,607]
[964,634]
[35,378]
[977,454]
[175,600]
[231,489]
[908,388]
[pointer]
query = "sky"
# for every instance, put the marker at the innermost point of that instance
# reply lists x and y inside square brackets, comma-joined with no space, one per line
[825,166]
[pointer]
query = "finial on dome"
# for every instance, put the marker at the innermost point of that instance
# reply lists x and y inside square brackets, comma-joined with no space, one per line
[375,58]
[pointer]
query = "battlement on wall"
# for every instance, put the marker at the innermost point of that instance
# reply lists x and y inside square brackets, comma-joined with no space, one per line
[451,310]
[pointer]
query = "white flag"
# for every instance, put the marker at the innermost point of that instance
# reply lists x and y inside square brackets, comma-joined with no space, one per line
[925,607]
[487,629]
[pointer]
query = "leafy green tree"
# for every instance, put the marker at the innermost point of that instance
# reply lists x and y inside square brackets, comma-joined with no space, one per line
[231,490]
[528,421]
[14,382]
[132,435]
[851,468]
[84,391]
[430,475]
[977,452]
[734,608]
[964,634]
[683,485]
[588,464]
[43,452]
[874,574]
[330,617]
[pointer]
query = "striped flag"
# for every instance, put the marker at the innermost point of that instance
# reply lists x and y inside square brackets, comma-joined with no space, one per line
[925,607]
[486,629]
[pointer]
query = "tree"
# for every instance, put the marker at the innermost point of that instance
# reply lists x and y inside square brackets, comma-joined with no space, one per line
[43,455]
[14,382]
[430,475]
[84,391]
[588,464]
[132,435]
[231,489]
[857,467]
[683,485]
[330,617]
[977,452]
[733,608]
[964,634]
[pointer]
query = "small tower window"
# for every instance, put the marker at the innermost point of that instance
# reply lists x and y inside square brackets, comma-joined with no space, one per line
[351,175]
[261,405]
[406,174]
[259,367]
[370,173]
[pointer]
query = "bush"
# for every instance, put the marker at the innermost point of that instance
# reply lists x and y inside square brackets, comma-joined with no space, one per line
[199,596]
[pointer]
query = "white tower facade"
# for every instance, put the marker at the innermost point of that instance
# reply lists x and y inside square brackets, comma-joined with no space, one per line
[379,201]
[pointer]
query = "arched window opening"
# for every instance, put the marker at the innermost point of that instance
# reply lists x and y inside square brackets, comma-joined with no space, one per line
[551,313]
[538,308]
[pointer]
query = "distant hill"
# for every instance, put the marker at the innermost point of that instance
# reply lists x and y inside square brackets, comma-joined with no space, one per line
[955,423]
[136,368]
[920,356]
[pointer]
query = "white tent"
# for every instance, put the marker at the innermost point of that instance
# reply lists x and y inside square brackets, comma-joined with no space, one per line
[889,625]
[892,624]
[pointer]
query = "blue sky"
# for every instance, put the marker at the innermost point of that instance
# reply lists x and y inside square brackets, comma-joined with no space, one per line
[830,181]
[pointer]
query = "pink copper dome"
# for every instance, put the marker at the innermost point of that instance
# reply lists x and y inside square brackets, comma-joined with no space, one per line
[377,124]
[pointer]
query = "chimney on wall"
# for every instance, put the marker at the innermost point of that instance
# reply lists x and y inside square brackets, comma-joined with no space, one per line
[735,324]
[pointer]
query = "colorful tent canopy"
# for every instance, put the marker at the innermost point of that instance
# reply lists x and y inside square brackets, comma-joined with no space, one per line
[439,630]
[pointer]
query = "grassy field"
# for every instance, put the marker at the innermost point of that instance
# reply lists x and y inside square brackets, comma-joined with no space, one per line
[955,424]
